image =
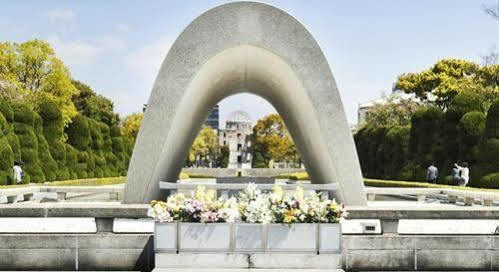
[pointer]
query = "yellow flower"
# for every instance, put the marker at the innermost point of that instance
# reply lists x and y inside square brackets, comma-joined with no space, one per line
[289,216]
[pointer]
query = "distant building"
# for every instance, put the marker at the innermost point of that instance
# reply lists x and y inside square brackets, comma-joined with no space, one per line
[236,136]
[213,119]
[398,95]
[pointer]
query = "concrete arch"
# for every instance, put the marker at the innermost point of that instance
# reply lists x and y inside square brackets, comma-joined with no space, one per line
[245,47]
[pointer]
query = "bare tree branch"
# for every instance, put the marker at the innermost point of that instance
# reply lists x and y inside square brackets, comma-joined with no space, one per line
[492,10]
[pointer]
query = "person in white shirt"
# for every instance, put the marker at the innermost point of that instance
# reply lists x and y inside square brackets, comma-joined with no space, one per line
[464,177]
[17,171]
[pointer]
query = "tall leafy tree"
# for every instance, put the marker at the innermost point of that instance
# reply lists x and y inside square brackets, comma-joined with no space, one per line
[448,77]
[131,125]
[395,111]
[94,106]
[271,141]
[30,72]
[205,147]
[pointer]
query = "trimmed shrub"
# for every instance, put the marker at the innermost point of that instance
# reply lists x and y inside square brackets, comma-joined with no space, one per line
[15,145]
[492,122]
[62,173]
[49,110]
[71,161]
[23,114]
[24,128]
[465,102]
[6,110]
[53,132]
[486,153]
[6,161]
[96,135]
[447,180]
[471,127]
[48,164]
[79,133]
[27,138]
[4,126]
[413,172]
[395,149]
[490,181]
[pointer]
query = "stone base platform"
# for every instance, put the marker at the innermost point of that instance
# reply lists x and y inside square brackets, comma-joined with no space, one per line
[247,262]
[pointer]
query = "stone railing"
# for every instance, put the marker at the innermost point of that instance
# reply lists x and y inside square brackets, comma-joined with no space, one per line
[13,195]
[450,195]
[256,172]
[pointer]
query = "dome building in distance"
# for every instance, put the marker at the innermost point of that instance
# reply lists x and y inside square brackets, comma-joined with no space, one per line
[236,136]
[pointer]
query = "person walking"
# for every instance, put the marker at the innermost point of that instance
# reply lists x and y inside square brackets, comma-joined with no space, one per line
[432,174]
[465,173]
[456,175]
[18,172]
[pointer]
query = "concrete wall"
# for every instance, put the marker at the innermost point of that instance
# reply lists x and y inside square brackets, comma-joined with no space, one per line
[225,172]
[420,252]
[100,251]
[111,251]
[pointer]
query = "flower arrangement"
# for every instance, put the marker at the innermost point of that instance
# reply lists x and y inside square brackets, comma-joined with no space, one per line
[251,206]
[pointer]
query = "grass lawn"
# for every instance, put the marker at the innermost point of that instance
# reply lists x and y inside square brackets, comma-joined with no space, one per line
[293,176]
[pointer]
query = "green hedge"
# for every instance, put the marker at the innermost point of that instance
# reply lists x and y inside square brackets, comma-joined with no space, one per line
[463,132]
[79,133]
[24,128]
[85,149]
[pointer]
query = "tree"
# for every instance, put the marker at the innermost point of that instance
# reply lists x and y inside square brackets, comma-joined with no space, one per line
[131,125]
[396,111]
[94,106]
[448,77]
[491,58]
[223,159]
[30,72]
[205,147]
[271,141]
[492,11]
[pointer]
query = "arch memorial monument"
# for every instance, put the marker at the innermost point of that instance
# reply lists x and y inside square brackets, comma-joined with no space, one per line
[245,47]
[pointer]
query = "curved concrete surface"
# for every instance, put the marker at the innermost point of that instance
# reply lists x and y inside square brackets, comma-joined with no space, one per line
[245,47]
